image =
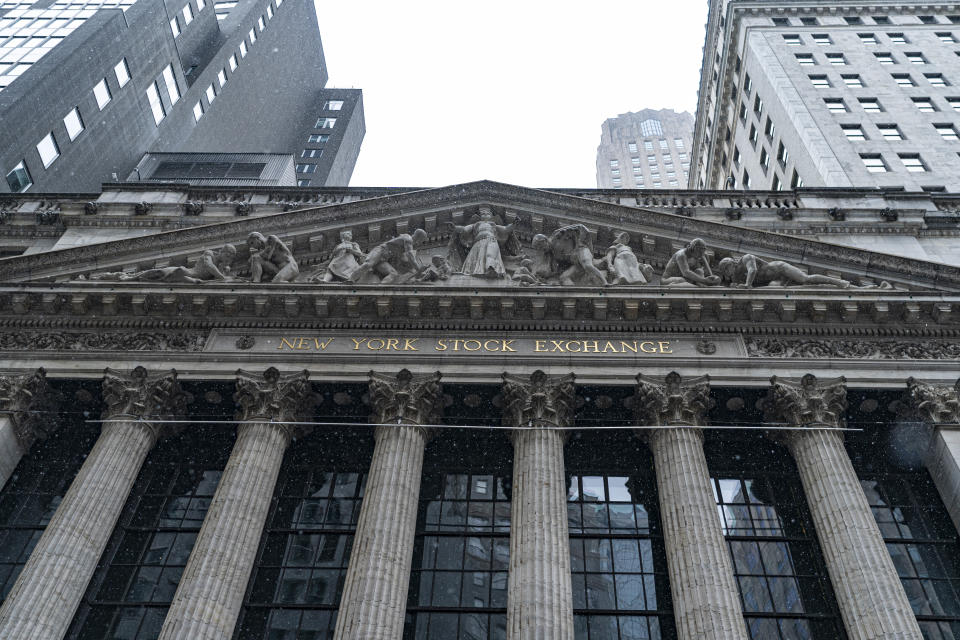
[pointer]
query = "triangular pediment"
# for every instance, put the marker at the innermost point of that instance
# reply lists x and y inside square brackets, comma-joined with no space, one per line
[531,238]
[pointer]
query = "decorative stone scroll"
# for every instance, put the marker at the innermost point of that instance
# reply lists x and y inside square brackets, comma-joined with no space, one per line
[860,349]
[807,402]
[142,395]
[673,401]
[272,396]
[406,398]
[934,404]
[29,402]
[538,401]
[101,341]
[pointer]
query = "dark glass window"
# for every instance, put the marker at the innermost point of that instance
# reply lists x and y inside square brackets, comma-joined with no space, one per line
[295,587]
[784,586]
[617,560]
[458,586]
[34,491]
[138,574]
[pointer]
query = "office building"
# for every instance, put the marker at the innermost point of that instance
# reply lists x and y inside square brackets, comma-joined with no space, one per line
[828,94]
[539,426]
[645,149]
[88,88]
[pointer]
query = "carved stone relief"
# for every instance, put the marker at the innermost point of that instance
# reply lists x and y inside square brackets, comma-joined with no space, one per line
[406,398]
[807,402]
[859,349]
[671,401]
[934,404]
[102,341]
[539,400]
[31,404]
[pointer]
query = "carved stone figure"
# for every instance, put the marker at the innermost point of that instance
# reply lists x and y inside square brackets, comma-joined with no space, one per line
[539,400]
[270,256]
[749,271]
[568,256]
[439,269]
[346,258]
[406,398]
[211,266]
[392,261]
[622,263]
[807,402]
[689,266]
[524,274]
[476,249]
[672,401]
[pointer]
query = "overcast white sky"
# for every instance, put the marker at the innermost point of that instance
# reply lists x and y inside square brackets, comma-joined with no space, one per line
[513,91]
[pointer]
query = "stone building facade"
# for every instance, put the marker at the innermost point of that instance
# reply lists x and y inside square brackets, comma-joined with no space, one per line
[645,149]
[477,411]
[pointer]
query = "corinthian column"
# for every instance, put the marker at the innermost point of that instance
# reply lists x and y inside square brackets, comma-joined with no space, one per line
[20,427]
[706,601]
[539,592]
[871,598]
[210,594]
[45,596]
[374,598]
[938,406]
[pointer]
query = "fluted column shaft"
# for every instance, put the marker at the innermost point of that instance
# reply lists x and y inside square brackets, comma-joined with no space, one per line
[871,598]
[210,594]
[48,591]
[374,598]
[10,449]
[540,595]
[706,600]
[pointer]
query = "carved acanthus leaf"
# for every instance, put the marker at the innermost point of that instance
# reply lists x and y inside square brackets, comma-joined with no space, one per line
[102,341]
[406,398]
[30,403]
[807,402]
[935,404]
[272,395]
[671,401]
[860,349]
[142,395]
[538,401]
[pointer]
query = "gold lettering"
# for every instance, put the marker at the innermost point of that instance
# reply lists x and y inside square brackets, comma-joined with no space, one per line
[591,346]
[408,344]
[506,346]
[539,346]
[571,349]
[557,345]
[665,347]
[322,345]
[627,345]
[456,344]
[357,343]
[467,345]
[381,342]
[393,344]
[495,345]
[303,344]
[643,347]
[609,347]
[284,341]
[441,345]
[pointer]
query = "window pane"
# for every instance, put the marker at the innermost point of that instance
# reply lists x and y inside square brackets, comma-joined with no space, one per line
[171,82]
[156,107]
[122,72]
[74,123]
[102,93]
[48,150]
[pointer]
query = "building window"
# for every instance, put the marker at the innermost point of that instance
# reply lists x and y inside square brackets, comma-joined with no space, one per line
[269,12]
[663,144]
[805,59]
[222,77]
[303,183]
[648,145]
[925,105]
[327,123]
[776,185]
[821,82]
[260,24]
[897,38]
[867,38]
[890,131]
[678,143]
[809,22]
[243,49]
[74,123]
[232,61]
[187,14]
[211,93]
[632,147]
[753,135]
[954,103]
[635,161]
[174,27]
[836,59]
[736,156]
[796,181]
[318,137]
[198,110]
[884,58]
[252,34]
[936,79]
[946,131]
[916,58]
[651,128]
[617,183]
[836,105]
[764,160]
[792,39]
[852,80]
[615,173]
[782,155]
[743,112]
[19,180]
[881,20]
[306,168]
[874,162]
[201,4]
[48,150]
[171,82]
[853,20]
[870,105]
[613,163]
[853,132]
[912,162]
[946,37]
[122,72]
[928,19]
[746,179]
[156,106]
[769,129]
[822,39]
[904,80]
[102,93]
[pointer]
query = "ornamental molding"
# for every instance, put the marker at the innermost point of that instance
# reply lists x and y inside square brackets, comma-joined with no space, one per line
[671,401]
[273,396]
[539,400]
[30,404]
[406,398]
[102,341]
[783,348]
[807,402]
[934,404]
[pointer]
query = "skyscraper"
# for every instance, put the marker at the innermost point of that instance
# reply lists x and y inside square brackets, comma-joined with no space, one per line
[87,88]
[832,94]
[644,149]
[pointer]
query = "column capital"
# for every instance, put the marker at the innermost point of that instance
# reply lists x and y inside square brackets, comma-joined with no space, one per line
[933,403]
[20,396]
[538,401]
[141,395]
[406,398]
[272,395]
[807,402]
[672,401]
